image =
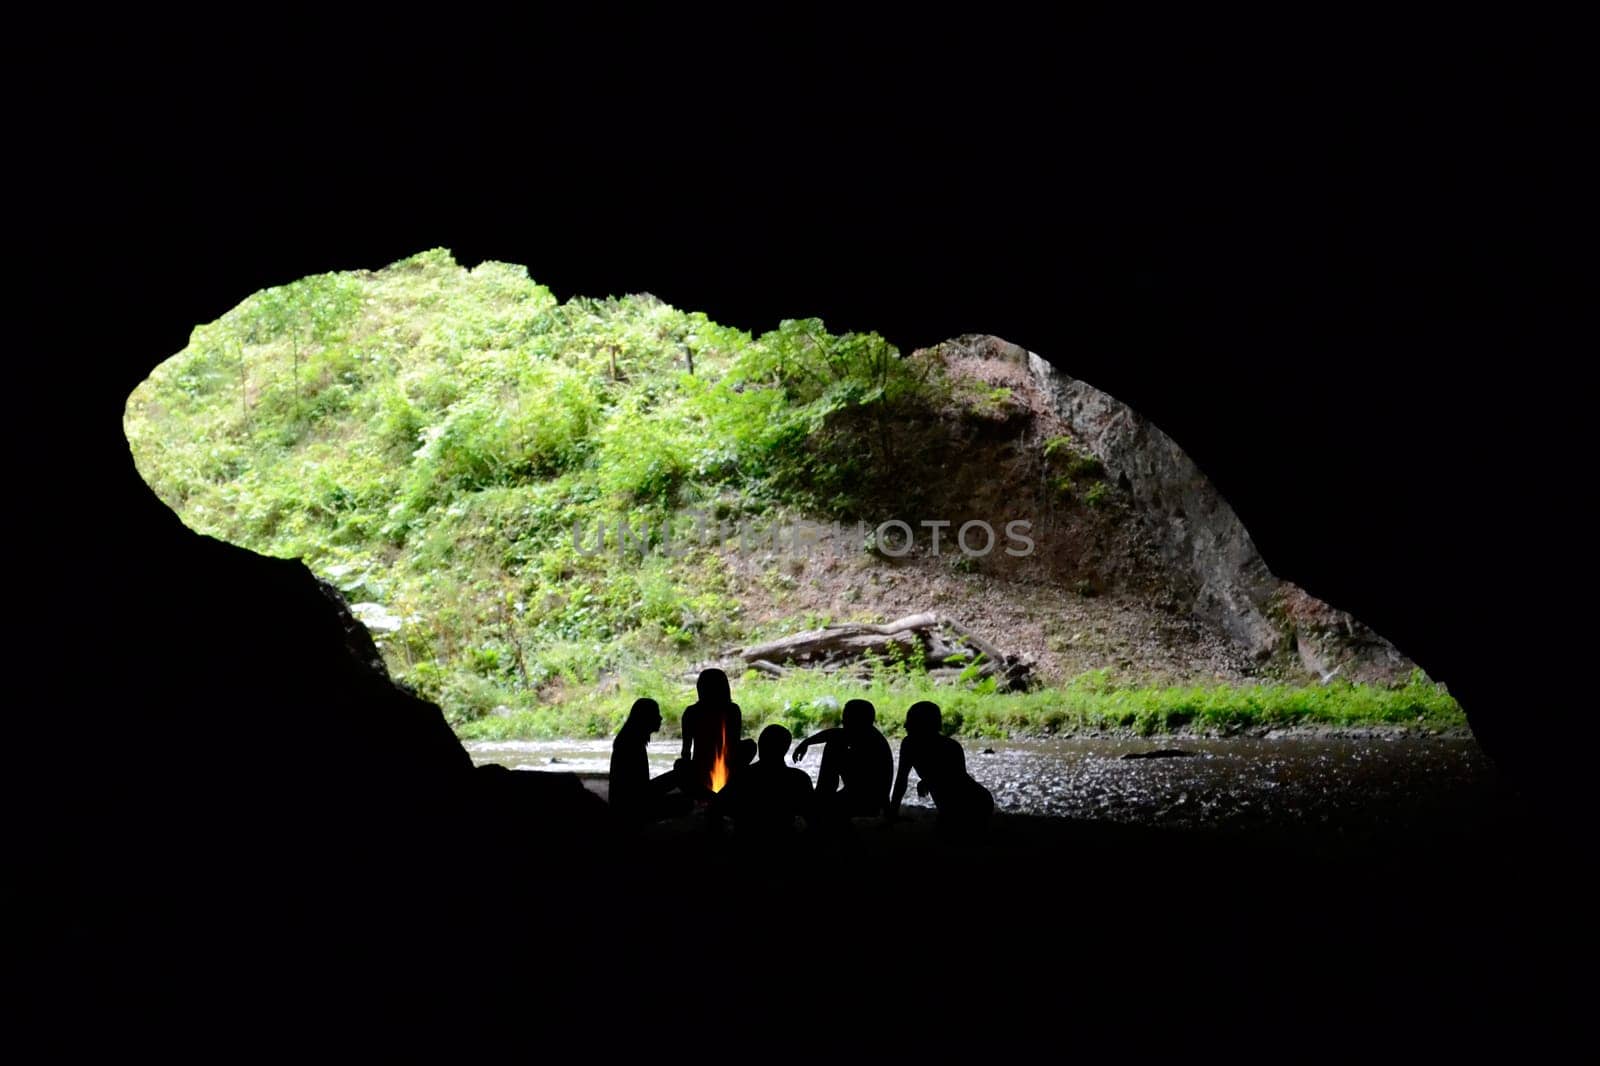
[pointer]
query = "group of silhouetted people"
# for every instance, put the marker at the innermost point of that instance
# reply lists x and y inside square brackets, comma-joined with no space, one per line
[748,781]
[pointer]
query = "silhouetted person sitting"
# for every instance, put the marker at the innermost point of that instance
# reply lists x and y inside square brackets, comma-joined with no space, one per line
[964,805]
[711,727]
[768,795]
[859,756]
[635,796]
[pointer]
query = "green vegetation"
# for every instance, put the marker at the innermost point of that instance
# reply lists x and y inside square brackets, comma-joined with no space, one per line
[1070,466]
[1087,704]
[429,439]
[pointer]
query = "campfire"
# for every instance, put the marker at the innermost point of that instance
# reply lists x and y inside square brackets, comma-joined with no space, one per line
[719,764]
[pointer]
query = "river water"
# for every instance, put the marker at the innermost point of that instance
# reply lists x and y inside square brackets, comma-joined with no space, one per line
[1338,783]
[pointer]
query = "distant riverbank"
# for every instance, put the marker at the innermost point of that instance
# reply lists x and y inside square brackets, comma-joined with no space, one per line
[1087,706]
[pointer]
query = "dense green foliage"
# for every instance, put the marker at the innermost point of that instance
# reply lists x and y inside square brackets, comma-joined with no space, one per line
[429,437]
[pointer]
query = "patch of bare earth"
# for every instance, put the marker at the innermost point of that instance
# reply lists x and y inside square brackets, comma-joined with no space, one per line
[1064,632]
[1091,594]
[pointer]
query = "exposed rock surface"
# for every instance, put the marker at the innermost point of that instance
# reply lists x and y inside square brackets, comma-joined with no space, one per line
[1211,560]
[1330,642]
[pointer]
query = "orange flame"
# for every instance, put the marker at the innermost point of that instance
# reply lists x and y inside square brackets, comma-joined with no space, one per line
[719,764]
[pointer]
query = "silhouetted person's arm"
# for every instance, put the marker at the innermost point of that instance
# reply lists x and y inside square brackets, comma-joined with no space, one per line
[882,768]
[660,786]
[902,777]
[690,715]
[821,737]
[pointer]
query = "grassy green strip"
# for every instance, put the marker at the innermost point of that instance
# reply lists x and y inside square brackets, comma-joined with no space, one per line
[1088,704]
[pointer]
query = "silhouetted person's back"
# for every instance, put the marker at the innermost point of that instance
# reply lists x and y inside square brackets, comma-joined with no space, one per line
[857,755]
[634,795]
[712,726]
[964,805]
[768,795]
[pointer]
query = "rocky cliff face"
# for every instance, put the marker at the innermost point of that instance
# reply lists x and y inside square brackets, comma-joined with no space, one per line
[1211,561]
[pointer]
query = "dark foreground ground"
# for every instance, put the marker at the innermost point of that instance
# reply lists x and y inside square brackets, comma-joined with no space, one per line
[523,916]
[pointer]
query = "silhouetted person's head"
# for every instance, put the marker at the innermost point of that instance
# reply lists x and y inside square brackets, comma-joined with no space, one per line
[859,714]
[923,719]
[774,743]
[713,687]
[643,717]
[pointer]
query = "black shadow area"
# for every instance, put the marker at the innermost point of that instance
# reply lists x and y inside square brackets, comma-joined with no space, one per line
[1341,294]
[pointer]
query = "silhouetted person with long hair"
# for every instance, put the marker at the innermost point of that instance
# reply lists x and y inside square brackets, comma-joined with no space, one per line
[856,754]
[964,805]
[768,795]
[712,726]
[635,796]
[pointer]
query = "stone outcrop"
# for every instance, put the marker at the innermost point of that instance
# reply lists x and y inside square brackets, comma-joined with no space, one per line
[1332,643]
[1210,557]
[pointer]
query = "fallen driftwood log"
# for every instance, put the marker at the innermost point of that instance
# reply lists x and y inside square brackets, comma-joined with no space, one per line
[950,650]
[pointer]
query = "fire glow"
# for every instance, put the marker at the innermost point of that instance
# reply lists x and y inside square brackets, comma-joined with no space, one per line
[719,764]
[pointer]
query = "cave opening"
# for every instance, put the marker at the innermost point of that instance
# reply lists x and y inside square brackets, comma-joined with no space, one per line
[543,510]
